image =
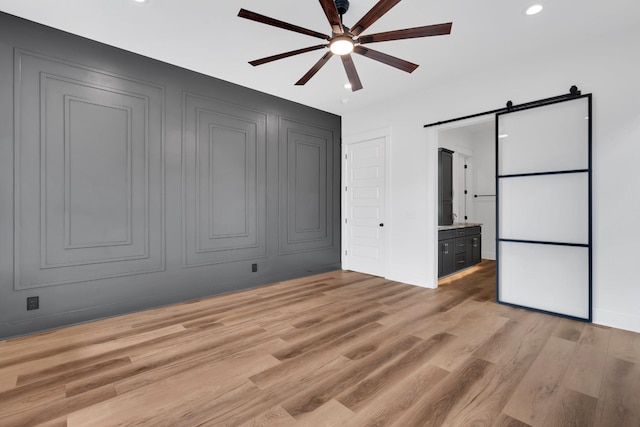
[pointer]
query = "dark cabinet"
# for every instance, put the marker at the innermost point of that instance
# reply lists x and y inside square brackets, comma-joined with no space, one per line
[459,248]
[446,252]
[445,187]
[474,248]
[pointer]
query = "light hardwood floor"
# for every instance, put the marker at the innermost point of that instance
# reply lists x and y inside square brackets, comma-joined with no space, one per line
[337,349]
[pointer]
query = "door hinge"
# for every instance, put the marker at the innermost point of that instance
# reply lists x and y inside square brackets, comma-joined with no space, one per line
[345,252]
[465,191]
[345,188]
[465,166]
[346,220]
[346,156]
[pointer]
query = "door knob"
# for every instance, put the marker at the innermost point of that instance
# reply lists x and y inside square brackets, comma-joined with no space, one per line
[381,224]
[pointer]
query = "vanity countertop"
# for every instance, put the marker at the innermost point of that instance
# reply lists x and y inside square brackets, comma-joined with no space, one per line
[458,225]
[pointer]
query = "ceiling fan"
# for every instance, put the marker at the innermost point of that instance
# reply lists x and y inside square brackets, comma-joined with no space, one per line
[344,40]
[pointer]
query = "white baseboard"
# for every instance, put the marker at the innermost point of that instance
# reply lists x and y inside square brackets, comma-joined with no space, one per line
[488,255]
[415,280]
[618,320]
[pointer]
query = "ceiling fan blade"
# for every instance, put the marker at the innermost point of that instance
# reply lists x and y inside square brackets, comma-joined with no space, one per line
[329,7]
[352,74]
[312,72]
[286,54]
[376,12]
[280,24]
[398,63]
[408,33]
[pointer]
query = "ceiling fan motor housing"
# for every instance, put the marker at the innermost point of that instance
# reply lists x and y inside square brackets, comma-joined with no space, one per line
[342,6]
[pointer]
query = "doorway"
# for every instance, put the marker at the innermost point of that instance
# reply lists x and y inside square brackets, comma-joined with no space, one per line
[473,144]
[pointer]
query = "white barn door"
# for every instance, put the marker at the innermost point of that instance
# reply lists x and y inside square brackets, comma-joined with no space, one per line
[543,183]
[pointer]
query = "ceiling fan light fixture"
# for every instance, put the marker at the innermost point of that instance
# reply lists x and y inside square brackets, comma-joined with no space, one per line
[533,10]
[341,45]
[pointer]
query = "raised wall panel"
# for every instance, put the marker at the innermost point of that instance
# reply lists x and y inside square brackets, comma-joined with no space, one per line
[224,178]
[98,174]
[306,179]
[89,177]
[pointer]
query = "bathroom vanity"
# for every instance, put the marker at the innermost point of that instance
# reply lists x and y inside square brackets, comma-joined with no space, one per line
[459,247]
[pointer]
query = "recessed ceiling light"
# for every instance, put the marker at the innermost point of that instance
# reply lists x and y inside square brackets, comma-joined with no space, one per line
[347,85]
[533,10]
[140,1]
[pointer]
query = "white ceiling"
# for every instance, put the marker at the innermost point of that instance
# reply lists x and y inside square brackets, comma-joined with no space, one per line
[208,37]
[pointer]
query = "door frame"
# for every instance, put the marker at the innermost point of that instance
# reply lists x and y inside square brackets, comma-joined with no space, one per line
[433,135]
[385,134]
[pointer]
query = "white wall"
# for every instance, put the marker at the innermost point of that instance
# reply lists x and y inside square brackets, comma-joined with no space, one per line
[484,181]
[606,66]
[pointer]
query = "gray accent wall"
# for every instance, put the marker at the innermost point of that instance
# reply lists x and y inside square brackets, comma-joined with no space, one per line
[127,183]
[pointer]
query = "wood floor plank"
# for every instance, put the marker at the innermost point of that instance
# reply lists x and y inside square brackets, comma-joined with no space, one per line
[338,348]
[619,401]
[313,359]
[568,329]
[625,345]
[359,394]
[389,405]
[326,337]
[162,364]
[571,409]
[326,320]
[538,389]
[51,344]
[7,381]
[236,411]
[178,364]
[521,342]
[58,422]
[507,421]
[466,341]
[493,349]
[586,369]
[439,402]
[160,400]
[18,408]
[330,414]
[86,356]
[274,417]
[358,370]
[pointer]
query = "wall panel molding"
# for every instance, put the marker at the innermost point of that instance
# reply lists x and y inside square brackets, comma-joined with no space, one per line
[306,183]
[89,173]
[224,182]
[128,183]
[72,235]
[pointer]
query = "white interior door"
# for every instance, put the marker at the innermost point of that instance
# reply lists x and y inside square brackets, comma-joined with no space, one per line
[544,208]
[365,207]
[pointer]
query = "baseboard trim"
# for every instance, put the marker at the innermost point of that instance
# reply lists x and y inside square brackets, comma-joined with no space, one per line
[617,320]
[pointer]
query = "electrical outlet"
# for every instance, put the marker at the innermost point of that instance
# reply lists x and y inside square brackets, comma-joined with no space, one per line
[254,268]
[33,303]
